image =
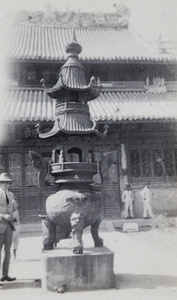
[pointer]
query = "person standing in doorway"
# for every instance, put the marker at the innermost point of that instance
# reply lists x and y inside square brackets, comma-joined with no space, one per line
[146,198]
[6,224]
[128,199]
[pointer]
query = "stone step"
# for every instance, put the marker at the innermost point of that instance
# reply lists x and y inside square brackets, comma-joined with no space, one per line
[31,229]
[139,222]
[22,283]
[27,229]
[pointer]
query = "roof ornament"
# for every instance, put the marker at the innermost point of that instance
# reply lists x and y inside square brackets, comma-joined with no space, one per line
[70,19]
[95,82]
[156,86]
[42,81]
[167,44]
[73,47]
[105,127]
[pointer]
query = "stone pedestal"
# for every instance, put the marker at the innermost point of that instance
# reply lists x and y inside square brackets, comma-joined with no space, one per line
[61,269]
[130,227]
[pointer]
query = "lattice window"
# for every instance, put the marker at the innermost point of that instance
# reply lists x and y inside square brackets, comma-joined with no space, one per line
[146,163]
[15,169]
[158,164]
[135,163]
[168,161]
[2,163]
[31,173]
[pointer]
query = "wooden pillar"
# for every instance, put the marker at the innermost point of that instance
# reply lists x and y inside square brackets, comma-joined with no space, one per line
[124,171]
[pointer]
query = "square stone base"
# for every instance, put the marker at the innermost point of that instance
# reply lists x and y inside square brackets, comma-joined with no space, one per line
[75,272]
[130,227]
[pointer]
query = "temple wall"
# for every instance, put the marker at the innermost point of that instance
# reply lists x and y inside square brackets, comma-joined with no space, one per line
[153,137]
[163,201]
[14,156]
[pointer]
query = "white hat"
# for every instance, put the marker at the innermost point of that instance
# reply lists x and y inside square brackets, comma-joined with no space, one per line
[5,178]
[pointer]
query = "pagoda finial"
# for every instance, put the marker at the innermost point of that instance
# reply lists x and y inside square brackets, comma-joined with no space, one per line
[74,36]
[73,47]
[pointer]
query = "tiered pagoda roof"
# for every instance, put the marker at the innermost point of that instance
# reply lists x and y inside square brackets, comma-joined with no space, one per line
[72,114]
[72,74]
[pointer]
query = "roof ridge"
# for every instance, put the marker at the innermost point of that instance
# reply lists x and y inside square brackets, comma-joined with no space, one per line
[69,27]
[119,18]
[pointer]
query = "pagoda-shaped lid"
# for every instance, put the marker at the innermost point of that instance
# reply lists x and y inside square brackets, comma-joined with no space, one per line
[72,74]
[72,115]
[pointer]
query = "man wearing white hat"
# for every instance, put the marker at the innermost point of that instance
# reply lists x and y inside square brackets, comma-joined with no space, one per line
[7,210]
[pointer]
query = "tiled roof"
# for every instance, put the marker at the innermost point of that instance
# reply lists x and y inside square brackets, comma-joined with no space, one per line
[35,105]
[28,105]
[47,43]
[130,106]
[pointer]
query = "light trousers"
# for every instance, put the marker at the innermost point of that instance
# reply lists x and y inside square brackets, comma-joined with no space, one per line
[129,208]
[147,210]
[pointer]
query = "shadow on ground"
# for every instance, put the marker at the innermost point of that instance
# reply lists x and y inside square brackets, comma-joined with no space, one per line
[132,281]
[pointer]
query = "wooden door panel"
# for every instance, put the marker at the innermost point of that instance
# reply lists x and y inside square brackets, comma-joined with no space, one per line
[110,184]
[32,199]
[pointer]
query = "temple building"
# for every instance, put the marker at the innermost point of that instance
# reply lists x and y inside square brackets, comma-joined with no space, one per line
[136,105]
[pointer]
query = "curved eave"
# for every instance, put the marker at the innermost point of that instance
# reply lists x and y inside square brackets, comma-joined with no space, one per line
[57,130]
[136,120]
[72,132]
[55,93]
[121,59]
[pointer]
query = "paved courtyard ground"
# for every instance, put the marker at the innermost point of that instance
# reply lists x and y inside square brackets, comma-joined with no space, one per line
[145,267]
